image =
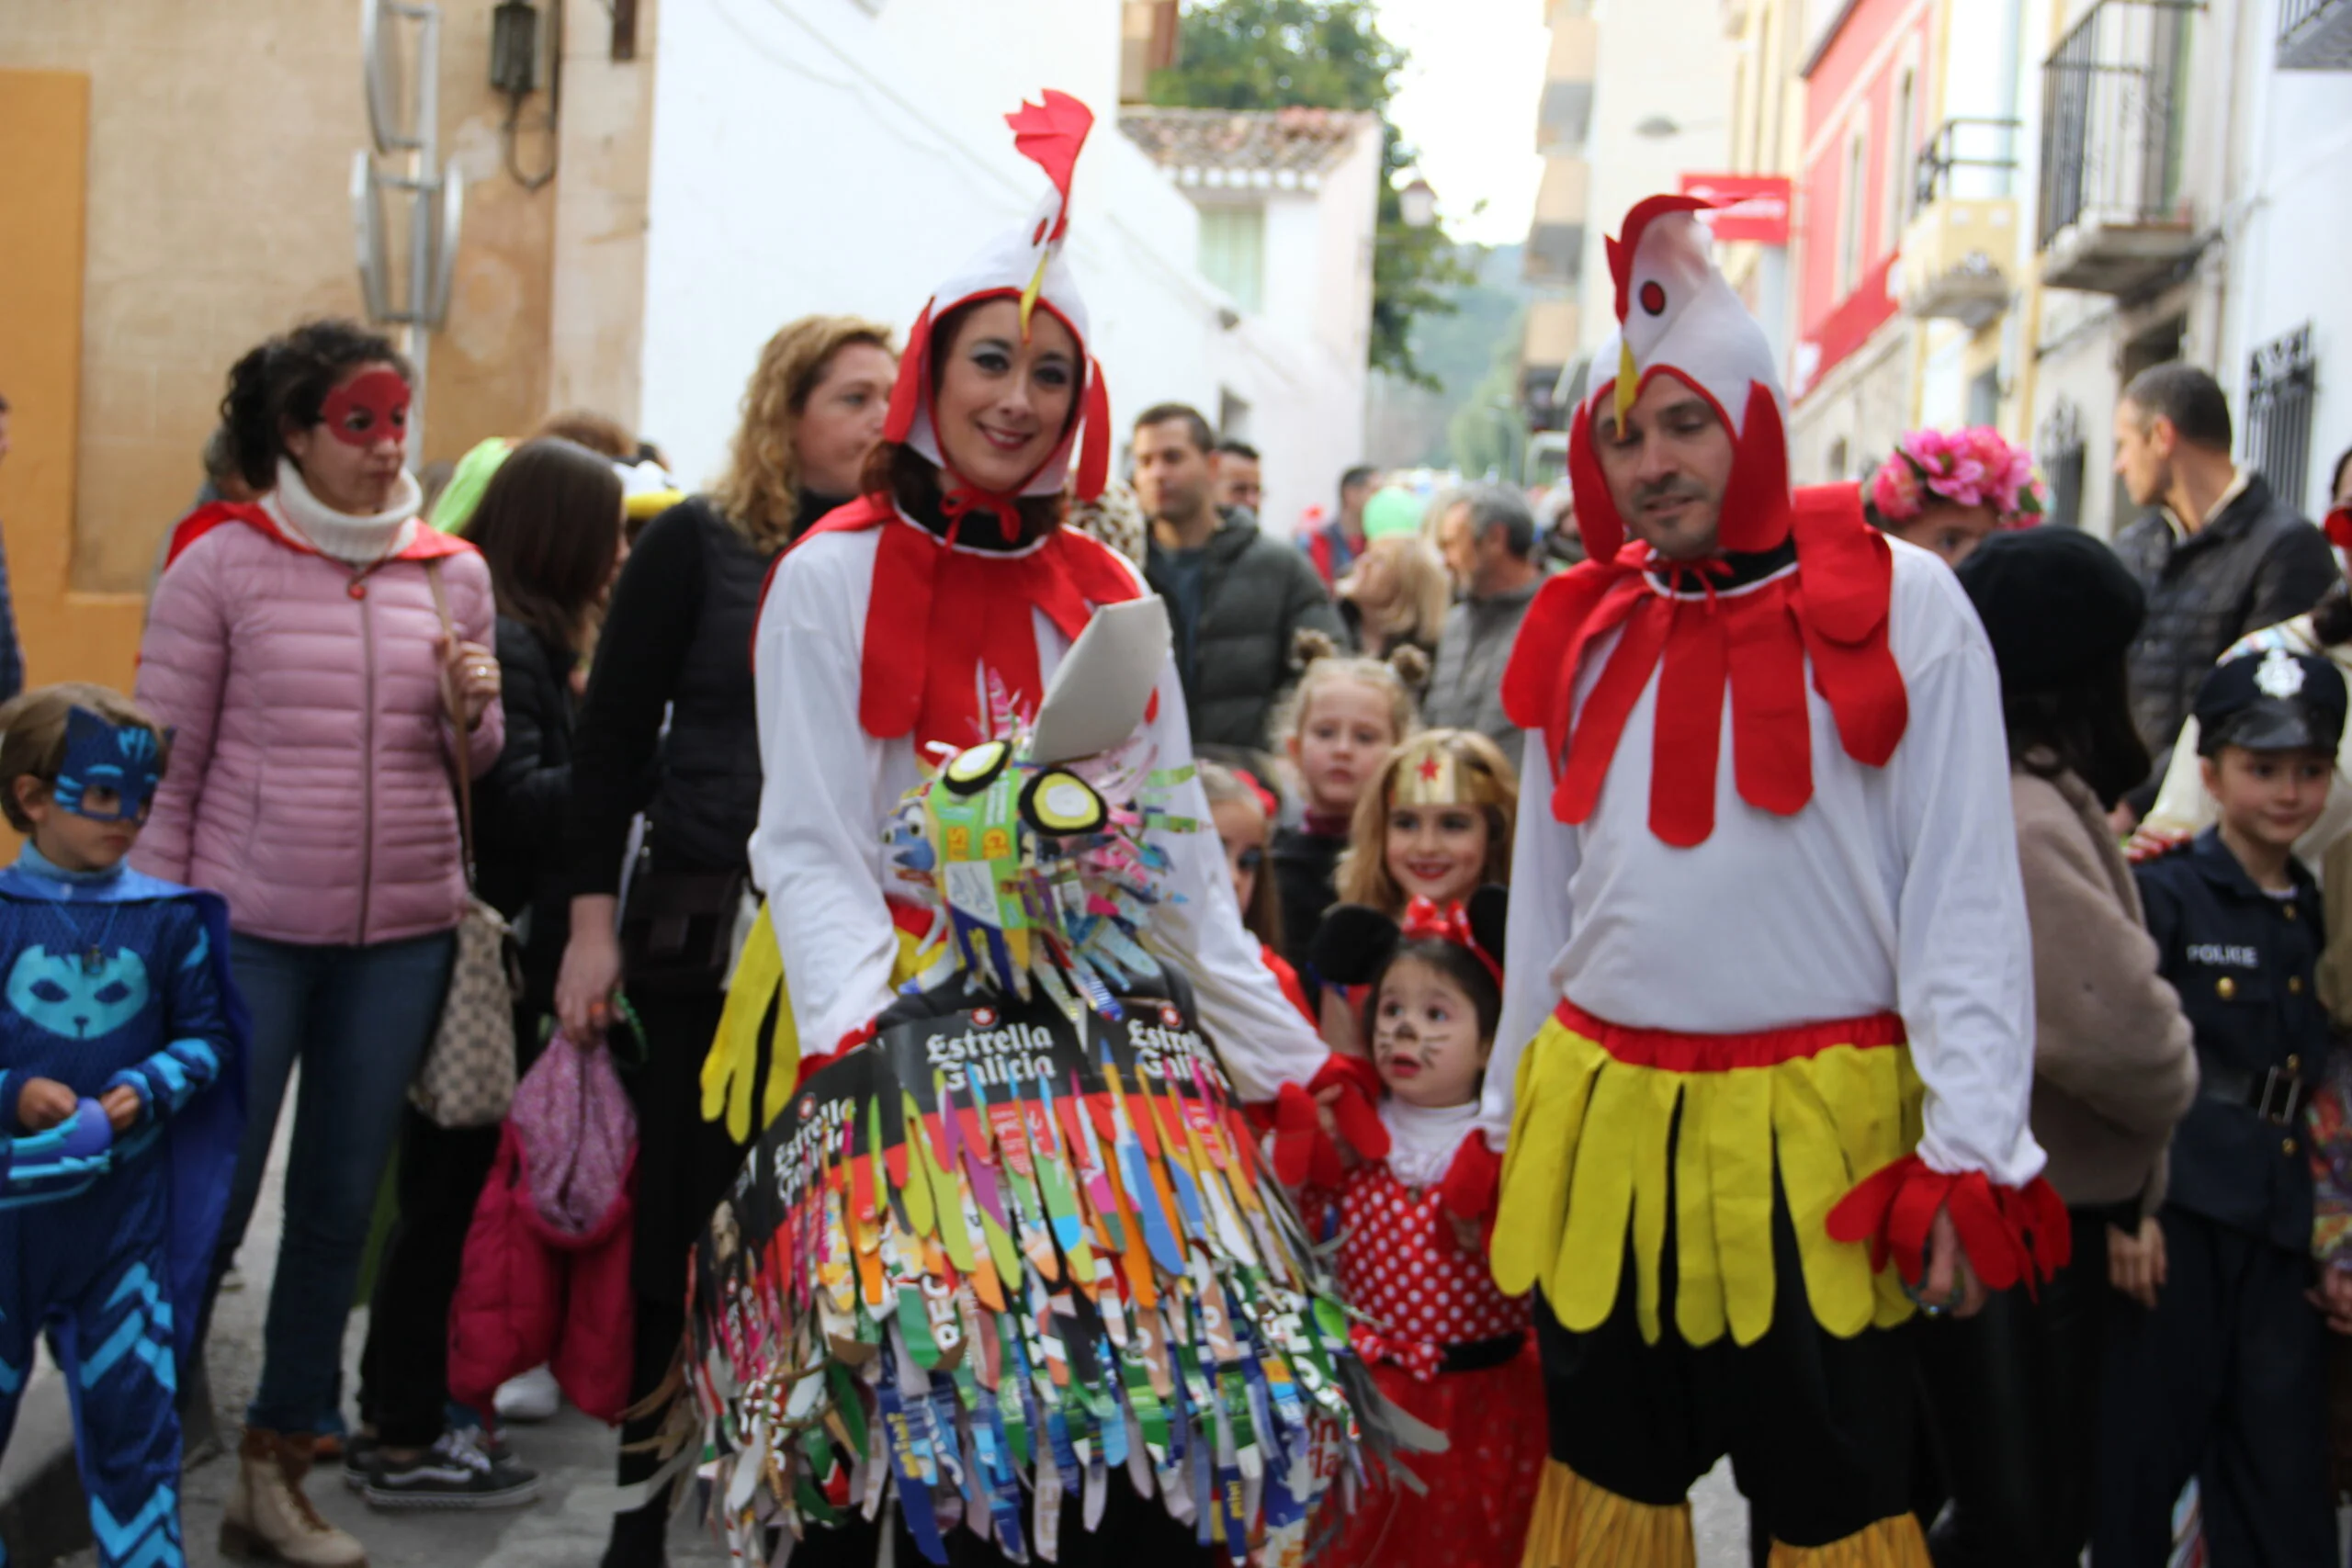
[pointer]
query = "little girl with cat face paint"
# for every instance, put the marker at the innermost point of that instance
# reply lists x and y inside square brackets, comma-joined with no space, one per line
[1443,1341]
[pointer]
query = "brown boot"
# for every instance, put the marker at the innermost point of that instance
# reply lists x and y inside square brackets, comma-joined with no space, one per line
[269,1517]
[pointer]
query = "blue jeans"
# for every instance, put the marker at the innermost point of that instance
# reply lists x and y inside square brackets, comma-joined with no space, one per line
[358,1020]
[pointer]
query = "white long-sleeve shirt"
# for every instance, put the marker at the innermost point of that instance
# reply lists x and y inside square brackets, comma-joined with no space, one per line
[830,788]
[1896,890]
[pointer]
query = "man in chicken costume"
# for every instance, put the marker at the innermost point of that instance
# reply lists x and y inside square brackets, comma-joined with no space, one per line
[1766,1049]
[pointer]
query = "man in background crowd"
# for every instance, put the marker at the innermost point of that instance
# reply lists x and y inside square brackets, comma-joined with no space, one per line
[1239,484]
[1334,546]
[2218,554]
[1488,536]
[1236,598]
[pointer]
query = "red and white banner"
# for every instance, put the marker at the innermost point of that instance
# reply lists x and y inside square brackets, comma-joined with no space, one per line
[1752,207]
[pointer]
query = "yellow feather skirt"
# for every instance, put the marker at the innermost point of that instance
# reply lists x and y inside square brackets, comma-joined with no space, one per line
[1615,1129]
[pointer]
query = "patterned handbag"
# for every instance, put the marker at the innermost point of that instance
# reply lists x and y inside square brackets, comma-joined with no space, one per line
[467,1078]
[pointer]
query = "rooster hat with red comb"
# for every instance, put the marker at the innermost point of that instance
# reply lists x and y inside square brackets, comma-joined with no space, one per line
[1026,264]
[1676,316]
[1796,594]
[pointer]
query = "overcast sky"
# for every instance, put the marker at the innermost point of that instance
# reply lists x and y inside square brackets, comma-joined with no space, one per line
[1468,102]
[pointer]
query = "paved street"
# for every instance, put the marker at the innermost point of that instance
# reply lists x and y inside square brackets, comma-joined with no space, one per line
[565,1527]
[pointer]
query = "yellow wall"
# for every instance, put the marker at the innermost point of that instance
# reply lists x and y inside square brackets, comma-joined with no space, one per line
[44,145]
[216,189]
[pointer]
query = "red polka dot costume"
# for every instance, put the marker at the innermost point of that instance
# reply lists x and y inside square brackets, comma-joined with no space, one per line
[1446,1345]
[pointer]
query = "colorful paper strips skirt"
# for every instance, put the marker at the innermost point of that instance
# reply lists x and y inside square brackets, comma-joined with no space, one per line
[1615,1128]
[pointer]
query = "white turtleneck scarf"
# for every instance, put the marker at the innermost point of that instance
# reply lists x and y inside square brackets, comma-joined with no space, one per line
[354,540]
[1421,1141]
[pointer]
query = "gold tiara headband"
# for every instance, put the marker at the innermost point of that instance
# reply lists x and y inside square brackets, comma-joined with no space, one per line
[1429,773]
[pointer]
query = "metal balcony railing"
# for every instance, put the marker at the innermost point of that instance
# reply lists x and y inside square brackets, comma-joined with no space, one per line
[2112,100]
[1967,157]
[2315,34]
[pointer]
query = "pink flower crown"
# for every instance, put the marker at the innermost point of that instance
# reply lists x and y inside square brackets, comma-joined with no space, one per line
[1975,466]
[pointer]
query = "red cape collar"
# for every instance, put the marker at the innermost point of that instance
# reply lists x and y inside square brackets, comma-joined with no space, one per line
[941,621]
[425,543]
[1751,647]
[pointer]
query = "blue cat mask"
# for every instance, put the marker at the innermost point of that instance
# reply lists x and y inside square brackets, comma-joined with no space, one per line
[77,996]
[99,754]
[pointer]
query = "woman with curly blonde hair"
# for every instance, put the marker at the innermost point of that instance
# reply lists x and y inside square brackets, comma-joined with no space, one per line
[674,642]
[812,410]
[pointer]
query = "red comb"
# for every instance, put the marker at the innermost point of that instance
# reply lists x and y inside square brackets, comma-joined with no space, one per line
[1049,133]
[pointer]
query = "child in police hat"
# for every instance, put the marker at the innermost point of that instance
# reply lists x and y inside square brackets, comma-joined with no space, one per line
[2218,1369]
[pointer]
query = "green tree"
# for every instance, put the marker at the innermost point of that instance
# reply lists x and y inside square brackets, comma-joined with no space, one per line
[1270,54]
[1487,432]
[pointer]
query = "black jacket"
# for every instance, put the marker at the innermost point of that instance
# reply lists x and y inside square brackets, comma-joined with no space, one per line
[2255,563]
[677,642]
[519,806]
[1303,863]
[2246,966]
[1256,594]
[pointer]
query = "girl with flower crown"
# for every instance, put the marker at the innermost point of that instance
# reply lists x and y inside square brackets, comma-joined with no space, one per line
[1948,491]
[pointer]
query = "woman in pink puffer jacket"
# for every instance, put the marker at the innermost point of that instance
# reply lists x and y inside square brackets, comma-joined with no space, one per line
[295,646]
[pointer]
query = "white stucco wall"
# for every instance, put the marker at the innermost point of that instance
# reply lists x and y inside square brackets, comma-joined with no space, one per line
[2263,153]
[1300,361]
[2290,228]
[811,156]
[1652,57]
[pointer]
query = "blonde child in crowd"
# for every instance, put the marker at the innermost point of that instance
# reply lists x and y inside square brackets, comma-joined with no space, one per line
[1341,718]
[1244,810]
[1443,1342]
[1434,822]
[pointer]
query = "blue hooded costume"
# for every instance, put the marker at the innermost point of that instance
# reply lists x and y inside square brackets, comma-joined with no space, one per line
[115,979]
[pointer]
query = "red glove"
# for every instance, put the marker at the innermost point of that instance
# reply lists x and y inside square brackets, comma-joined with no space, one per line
[2009,1235]
[1356,1112]
[1471,1181]
[1304,1152]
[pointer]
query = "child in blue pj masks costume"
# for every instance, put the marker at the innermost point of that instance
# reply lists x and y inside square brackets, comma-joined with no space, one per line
[122,1068]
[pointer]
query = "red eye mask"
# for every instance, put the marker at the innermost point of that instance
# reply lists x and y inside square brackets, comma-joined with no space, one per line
[358,412]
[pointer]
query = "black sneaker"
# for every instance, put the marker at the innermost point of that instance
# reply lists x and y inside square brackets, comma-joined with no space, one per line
[359,1455]
[453,1473]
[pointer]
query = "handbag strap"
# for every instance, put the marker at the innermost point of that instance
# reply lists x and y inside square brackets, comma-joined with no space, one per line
[458,768]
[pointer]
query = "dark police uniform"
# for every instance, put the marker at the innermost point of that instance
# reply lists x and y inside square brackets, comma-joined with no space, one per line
[2227,1379]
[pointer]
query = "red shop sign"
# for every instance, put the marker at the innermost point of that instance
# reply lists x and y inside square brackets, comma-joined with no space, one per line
[1749,207]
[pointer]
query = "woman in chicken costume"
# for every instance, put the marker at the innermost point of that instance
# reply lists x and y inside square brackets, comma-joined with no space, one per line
[908,629]
[1766,1048]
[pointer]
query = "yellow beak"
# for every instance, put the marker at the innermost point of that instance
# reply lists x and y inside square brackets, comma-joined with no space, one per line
[1628,381]
[1029,295]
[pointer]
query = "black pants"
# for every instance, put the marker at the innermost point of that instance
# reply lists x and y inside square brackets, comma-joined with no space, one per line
[1818,1429]
[684,1166]
[2013,1401]
[404,1370]
[404,1367]
[2225,1381]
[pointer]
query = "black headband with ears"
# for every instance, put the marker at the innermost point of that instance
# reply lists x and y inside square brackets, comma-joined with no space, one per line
[1356,941]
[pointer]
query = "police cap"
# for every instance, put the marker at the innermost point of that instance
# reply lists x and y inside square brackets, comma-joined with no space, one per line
[2272,701]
